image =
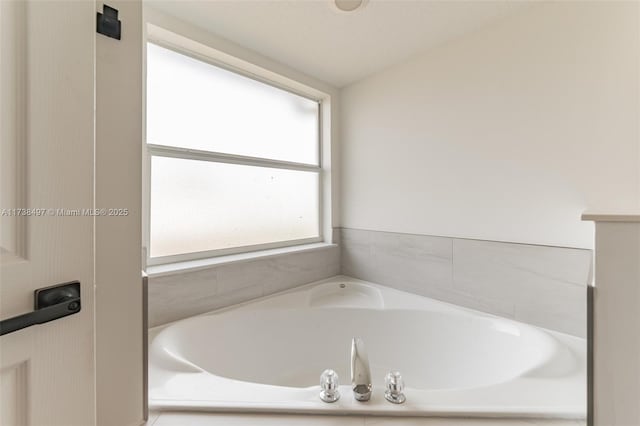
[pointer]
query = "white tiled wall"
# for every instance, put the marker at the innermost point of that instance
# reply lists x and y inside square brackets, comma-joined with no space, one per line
[540,285]
[184,294]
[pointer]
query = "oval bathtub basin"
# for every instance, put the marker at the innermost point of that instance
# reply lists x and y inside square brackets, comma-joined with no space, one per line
[268,355]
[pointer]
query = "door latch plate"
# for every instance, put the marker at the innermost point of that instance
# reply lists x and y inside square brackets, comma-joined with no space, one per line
[55,294]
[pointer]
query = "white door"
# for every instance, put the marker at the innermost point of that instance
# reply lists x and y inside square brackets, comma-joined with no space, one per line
[47,141]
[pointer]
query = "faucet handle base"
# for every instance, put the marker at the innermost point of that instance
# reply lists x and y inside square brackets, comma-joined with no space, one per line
[395,385]
[362,393]
[329,396]
[396,399]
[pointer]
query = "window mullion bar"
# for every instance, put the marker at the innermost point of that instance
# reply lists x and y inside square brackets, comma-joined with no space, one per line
[218,157]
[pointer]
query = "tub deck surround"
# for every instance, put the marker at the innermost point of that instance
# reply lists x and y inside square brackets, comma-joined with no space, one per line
[267,356]
[226,419]
[539,285]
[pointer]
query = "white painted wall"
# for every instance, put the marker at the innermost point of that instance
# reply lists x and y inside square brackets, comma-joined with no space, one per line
[508,133]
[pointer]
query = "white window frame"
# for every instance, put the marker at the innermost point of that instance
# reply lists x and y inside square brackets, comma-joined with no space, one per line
[151,150]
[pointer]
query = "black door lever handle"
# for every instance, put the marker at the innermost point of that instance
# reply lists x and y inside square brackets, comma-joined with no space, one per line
[50,303]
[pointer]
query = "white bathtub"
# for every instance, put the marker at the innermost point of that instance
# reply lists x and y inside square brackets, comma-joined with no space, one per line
[267,355]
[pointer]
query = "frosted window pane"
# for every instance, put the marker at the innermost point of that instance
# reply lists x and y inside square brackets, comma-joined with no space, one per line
[192,104]
[199,205]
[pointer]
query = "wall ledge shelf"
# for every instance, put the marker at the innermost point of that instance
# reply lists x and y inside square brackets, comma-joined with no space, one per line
[611,217]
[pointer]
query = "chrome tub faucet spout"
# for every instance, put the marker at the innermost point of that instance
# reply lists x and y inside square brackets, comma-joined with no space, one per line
[360,373]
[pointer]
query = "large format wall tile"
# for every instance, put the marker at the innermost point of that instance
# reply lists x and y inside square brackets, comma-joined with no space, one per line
[170,299]
[544,286]
[355,258]
[302,268]
[407,262]
[404,257]
[184,294]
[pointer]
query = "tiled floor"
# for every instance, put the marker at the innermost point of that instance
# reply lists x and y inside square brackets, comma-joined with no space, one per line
[210,419]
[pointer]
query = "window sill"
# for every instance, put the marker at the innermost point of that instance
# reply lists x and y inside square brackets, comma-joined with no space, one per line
[199,264]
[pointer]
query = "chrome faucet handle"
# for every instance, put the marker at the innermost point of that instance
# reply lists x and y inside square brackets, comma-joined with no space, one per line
[394,385]
[329,386]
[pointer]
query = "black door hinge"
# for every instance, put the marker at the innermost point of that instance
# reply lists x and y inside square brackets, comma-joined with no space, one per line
[108,23]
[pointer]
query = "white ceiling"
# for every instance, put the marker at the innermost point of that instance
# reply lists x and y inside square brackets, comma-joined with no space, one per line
[339,48]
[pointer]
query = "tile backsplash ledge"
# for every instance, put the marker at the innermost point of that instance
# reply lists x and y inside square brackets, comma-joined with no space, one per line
[184,294]
[539,285]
